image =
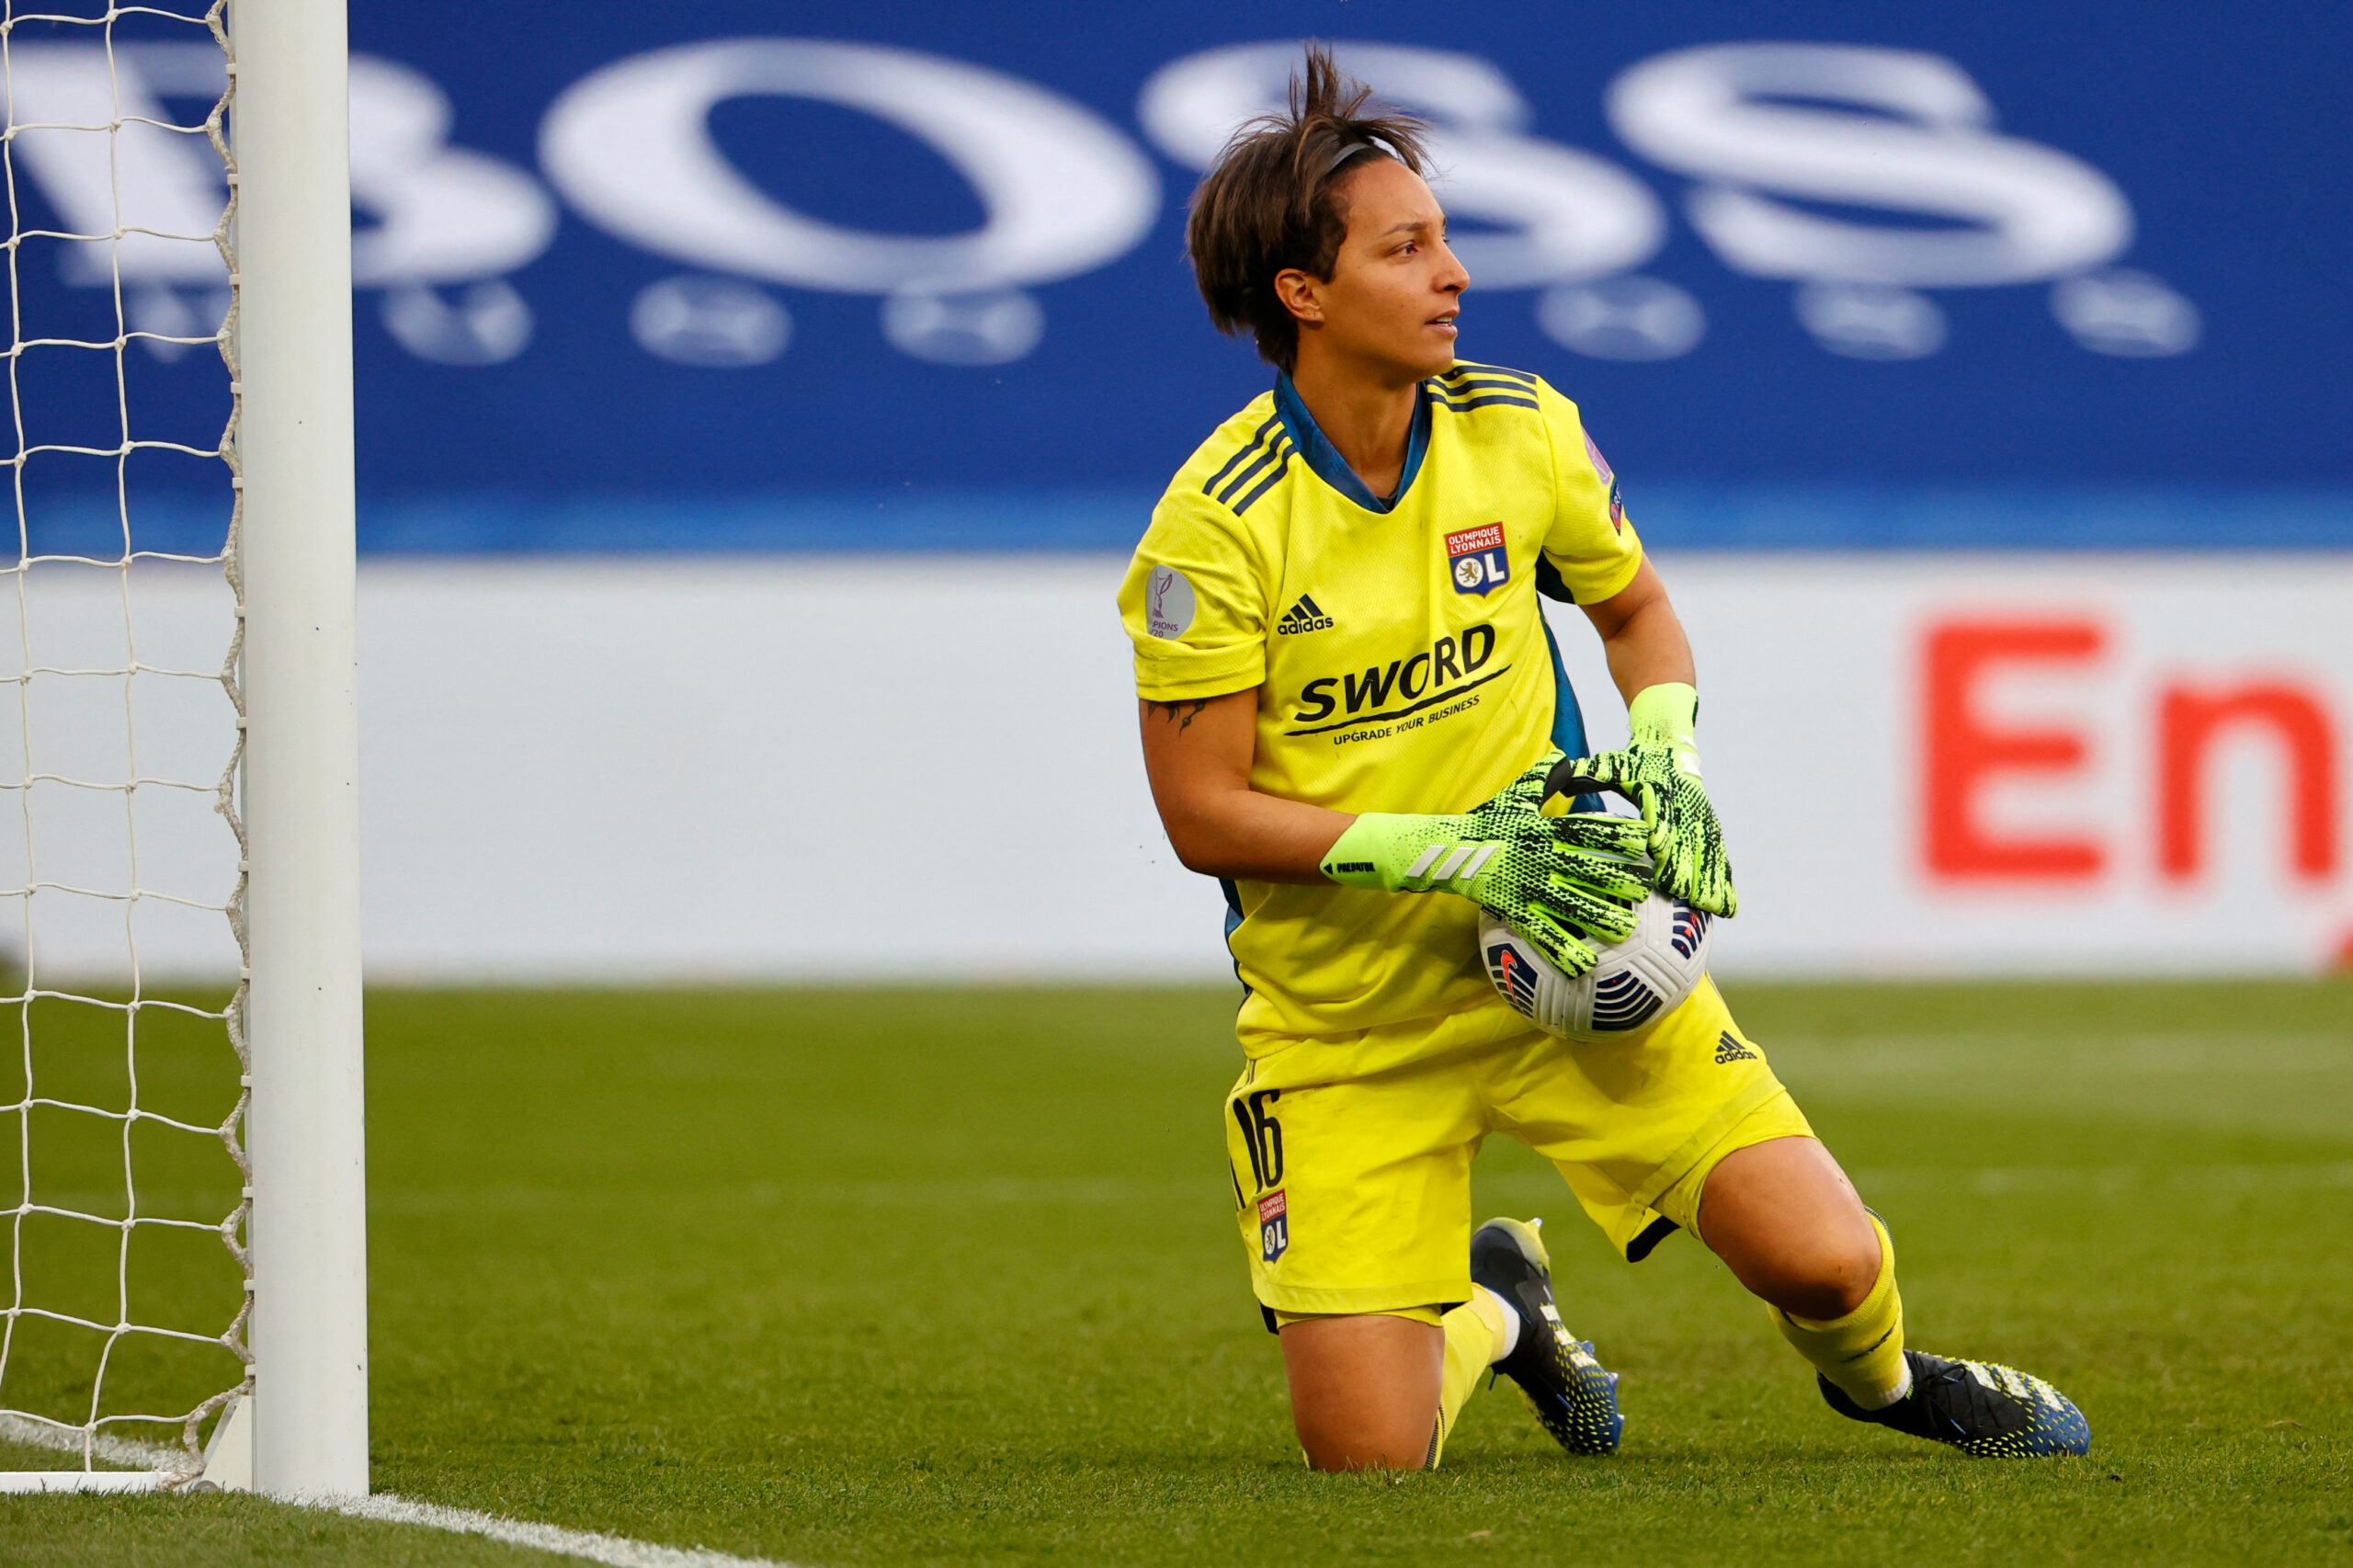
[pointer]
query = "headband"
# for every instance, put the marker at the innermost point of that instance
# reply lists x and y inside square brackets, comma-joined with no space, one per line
[1350,149]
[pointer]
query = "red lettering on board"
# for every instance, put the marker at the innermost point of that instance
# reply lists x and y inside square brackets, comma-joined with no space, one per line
[1962,752]
[2189,721]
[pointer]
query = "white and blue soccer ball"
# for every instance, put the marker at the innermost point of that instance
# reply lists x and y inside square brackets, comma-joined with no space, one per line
[1637,981]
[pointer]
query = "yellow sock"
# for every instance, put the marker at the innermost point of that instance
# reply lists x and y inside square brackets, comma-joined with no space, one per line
[1862,1353]
[1472,1331]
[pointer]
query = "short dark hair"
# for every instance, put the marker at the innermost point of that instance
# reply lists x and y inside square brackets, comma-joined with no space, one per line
[1272,202]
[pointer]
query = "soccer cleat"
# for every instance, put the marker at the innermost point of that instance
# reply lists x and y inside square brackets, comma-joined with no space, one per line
[1574,1399]
[1978,1407]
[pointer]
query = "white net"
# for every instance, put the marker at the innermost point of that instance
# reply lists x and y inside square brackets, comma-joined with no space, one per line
[121,881]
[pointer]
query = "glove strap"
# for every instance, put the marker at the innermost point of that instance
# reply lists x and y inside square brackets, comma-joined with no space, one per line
[1398,853]
[1664,715]
[1354,859]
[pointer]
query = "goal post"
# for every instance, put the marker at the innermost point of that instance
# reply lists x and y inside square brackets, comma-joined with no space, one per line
[251,830]
[289,134]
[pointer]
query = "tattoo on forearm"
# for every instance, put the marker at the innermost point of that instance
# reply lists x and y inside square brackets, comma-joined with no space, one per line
[1171,710]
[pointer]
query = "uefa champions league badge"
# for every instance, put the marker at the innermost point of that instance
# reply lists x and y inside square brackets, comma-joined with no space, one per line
[1476,559]
[1274,1226]
[1609,482]
[1168,603]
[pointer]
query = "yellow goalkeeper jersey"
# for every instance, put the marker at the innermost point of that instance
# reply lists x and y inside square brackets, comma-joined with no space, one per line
[1399,650]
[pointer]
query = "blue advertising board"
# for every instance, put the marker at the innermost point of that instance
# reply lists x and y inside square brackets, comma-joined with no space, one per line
[724,275]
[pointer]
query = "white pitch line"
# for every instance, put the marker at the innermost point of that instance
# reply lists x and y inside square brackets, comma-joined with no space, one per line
[617,1552]
[127,1451]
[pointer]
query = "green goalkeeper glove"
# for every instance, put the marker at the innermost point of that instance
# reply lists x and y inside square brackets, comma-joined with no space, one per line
[1559,880]
[1659,771]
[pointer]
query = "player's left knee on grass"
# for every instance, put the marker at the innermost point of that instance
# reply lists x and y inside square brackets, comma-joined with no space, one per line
[1788,1223]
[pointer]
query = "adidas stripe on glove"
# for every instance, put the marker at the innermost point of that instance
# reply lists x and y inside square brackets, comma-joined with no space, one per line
[1560,881]
[1659,771]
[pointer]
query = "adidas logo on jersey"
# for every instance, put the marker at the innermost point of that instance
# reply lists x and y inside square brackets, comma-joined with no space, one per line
[1729,1048]
[1304,615]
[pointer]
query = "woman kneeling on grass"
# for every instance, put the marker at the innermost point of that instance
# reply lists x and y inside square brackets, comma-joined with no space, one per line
[1352,708]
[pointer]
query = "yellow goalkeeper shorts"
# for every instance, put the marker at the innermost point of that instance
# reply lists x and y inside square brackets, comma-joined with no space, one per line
[1351,1154]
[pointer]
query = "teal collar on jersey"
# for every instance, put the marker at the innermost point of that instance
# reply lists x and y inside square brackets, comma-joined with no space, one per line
[1325,459]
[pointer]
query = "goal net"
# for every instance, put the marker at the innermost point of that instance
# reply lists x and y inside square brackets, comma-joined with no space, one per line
[123,853]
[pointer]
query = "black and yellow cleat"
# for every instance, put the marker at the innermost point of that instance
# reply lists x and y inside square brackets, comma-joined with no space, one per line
[1574,1399]
[1978,1407]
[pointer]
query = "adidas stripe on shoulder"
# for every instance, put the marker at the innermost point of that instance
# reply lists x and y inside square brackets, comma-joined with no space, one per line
[1254,470]
[1469,386]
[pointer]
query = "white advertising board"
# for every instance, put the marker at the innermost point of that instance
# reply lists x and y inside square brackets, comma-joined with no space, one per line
[1944,764]
[691,768]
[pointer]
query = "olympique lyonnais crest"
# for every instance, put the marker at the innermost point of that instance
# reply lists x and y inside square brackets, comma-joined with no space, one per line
[1475,557]
[1610,483]
[1274,1225]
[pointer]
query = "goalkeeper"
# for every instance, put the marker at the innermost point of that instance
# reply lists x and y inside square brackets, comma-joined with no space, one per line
[1354,716]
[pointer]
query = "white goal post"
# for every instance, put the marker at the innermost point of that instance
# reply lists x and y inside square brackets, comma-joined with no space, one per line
[292,129]
[297,1422]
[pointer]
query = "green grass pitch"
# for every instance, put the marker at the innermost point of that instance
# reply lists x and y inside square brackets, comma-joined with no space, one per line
[950,1276]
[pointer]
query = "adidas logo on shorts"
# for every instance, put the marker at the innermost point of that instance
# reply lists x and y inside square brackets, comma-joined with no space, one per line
[1304,615]
[1731,1049]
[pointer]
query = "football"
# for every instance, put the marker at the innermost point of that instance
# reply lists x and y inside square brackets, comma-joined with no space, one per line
[1638,980]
